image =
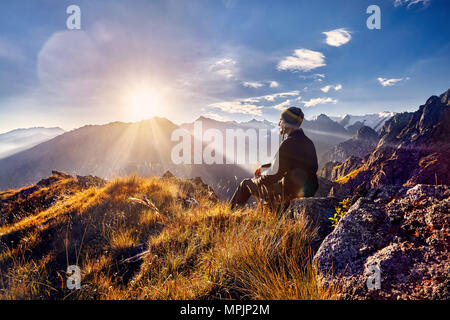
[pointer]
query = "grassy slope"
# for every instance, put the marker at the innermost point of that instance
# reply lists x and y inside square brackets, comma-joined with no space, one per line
[206,251]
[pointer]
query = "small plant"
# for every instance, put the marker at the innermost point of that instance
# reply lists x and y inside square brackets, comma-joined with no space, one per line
[341,210]
[349,176]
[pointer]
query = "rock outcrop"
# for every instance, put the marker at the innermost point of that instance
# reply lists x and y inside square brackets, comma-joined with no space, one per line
[334,171]
[403,231]
[17,204]
[316,212]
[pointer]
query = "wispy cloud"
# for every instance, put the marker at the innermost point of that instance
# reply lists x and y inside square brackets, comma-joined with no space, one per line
[315,101]
[254,105]
[318,77]
[302,60]
[259,84]
[238,106]
[337,37]
[272,97]
[250,84]
[328,87]
[274,84]
[225,68]
[283,105]
[390,82]
[398,3]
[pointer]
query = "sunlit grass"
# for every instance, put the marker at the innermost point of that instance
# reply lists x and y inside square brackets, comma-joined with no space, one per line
[202,251]
[349,176]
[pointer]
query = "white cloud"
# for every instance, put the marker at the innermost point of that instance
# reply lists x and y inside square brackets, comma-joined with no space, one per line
[238,107]
[302,60]
[337,37]
[318,77]
[227,73]
[283,105]
[272,97]
[259,84]
[315,101]
[398,3]
[226,62]
[274,84]
[328,87]
[250,84]
[390,82]
[254,105]
[225,68]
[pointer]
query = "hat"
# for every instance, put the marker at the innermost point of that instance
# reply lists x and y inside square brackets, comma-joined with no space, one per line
[293,116]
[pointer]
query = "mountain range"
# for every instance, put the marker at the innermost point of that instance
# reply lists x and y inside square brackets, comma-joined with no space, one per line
[144,148]
[354,122]
[414,147]
[17,140]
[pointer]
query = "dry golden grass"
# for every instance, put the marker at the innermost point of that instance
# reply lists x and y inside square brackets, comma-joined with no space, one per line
[205,251]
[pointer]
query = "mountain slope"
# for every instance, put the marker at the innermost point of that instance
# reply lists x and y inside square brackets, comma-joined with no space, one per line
[152,238]
[364,141]
[17,140]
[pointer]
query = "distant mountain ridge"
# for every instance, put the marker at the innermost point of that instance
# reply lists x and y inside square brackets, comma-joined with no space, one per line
[373,120]
[111,150]
[144,148]
[14,141]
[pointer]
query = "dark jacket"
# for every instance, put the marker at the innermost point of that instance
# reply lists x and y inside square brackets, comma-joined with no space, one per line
[296,162]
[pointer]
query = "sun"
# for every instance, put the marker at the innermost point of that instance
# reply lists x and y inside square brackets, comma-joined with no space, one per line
[142,103]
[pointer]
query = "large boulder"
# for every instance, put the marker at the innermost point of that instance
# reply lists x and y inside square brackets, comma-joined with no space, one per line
[316,212]
[402,231]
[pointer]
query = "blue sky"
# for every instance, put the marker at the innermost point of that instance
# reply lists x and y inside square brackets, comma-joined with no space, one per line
[228,59]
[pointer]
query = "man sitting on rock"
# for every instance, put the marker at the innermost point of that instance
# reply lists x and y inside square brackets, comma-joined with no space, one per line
[291,174]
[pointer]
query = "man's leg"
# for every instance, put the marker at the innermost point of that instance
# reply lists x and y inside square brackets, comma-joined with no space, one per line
[245,189]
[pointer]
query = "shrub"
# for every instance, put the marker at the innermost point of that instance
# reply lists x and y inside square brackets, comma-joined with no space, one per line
[341,210]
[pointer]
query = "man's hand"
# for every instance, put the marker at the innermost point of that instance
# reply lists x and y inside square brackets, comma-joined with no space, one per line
[258,172]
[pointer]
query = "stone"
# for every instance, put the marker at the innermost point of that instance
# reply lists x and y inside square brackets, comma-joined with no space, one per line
[402,230]
[316,211]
